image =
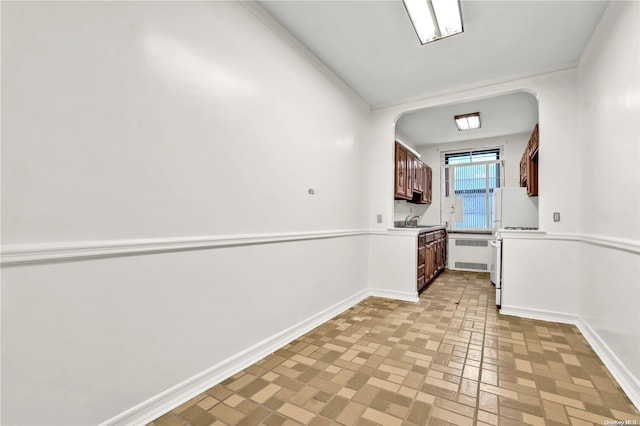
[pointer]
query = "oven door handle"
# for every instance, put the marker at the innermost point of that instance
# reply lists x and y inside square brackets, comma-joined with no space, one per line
[497,244]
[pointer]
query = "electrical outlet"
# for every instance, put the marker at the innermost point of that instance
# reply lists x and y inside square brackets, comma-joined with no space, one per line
[379,218]
[556,216]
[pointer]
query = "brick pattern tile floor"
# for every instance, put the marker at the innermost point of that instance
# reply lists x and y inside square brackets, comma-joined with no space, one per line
[451,358]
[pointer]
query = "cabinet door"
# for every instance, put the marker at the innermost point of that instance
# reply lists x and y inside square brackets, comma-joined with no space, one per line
[429,185]
[431,258]
[529,164]
[422,250]
[418,178]
[532,176]
[441,253]
[523,170]
[533,142]
[411,168]
[532,163]
[426,195]
[401,173]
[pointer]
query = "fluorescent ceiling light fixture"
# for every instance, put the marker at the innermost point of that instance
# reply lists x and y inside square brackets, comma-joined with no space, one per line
[434,19]
[468,121]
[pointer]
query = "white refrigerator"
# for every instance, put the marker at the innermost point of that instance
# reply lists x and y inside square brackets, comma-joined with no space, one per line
[512,208]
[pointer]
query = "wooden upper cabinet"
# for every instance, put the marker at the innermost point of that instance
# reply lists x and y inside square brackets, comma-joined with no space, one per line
[425,198]
[411,166]
[418,176]
[429,185]
[412,177]
[529,164]
[532,177]
[523,170]
[401,174]
[533,143]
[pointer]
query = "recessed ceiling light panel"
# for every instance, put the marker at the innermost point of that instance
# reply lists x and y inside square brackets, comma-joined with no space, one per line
[434,19]
[468,121]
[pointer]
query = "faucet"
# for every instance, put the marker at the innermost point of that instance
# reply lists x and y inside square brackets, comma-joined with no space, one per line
[409,219]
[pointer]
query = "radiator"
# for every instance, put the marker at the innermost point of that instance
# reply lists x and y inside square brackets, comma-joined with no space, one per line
[469,253]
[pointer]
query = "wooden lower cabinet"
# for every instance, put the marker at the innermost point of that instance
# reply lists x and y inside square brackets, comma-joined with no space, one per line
[432,256]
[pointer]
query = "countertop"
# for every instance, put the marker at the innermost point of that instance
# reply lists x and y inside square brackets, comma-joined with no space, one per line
[419,229]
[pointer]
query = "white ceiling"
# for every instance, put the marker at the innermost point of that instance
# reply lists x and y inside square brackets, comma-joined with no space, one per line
[372,47]
[500,115]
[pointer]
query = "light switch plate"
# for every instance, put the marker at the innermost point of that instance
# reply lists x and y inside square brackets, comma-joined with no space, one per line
[556,216]
[379,218]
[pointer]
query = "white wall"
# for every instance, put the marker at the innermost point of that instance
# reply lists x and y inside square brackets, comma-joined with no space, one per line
[155,120]
[233,126]
[609,290]
[393,264]
[608,294]
[610,125]
[540,276]
[84,341]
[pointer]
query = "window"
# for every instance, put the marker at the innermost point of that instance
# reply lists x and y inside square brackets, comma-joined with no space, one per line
[470,178]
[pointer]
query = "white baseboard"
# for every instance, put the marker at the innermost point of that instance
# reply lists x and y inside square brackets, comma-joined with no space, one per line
[629,384]
[539,314]
[626,380]
[396,295]
[164,402]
